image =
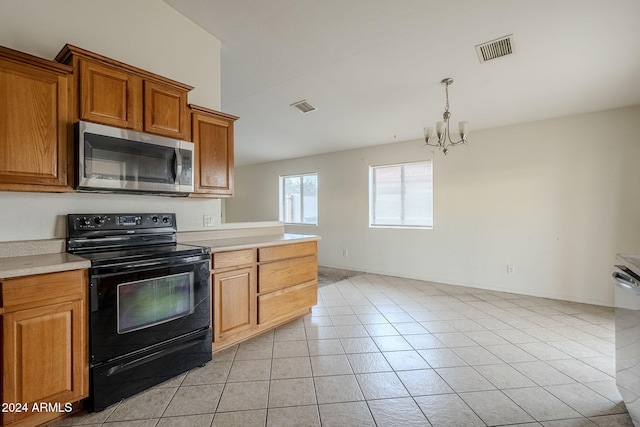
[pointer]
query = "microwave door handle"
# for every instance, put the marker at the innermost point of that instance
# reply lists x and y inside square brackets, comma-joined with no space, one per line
[177,165]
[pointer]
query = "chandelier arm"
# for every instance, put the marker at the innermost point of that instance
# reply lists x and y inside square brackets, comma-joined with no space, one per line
[448,137]
[431,144]
[453,144]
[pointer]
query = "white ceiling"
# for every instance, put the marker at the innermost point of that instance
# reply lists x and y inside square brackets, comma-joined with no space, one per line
[372,68]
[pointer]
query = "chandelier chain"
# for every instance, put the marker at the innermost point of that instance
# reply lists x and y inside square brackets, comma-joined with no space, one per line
[446,91]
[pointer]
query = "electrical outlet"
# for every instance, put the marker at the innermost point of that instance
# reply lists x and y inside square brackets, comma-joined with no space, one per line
[510,269]
[208,220]
[345,252]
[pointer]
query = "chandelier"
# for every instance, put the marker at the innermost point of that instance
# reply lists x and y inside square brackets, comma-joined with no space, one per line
[442,128]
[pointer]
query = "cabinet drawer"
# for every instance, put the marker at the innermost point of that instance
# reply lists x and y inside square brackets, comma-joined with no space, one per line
[281,274]
[233,258]
[273,253]
[42,287]
[281,304]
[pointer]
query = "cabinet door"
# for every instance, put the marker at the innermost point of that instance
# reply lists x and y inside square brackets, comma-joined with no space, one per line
[165,110]
[108,95]
[44,355]
[33,128]
[234,302]
[213,139]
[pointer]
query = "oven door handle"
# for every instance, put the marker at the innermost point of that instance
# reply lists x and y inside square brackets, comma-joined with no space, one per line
[121,269]
[625,282]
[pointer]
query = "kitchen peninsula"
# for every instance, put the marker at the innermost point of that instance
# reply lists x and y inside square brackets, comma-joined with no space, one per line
[260,279]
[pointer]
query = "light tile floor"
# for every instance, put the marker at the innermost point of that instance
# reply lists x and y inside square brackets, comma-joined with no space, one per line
[387,351]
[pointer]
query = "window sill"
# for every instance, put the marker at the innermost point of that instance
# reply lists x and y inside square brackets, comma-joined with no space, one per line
[401,227]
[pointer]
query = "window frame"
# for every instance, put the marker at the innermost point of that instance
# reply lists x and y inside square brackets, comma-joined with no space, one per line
[281,198]
[373,194]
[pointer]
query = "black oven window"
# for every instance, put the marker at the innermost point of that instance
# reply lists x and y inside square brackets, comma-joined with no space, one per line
[149,302]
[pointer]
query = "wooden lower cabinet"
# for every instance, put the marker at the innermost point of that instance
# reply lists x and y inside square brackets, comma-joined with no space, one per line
[44,346]
[234,299]
[251,296]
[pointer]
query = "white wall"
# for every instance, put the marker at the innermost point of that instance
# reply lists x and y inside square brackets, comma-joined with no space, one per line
[556,199]
[148,34]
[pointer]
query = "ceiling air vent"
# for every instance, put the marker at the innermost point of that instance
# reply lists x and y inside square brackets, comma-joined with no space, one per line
[303,106]
[496,48]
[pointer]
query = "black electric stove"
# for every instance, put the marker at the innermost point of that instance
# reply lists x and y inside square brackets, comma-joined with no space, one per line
[149,302]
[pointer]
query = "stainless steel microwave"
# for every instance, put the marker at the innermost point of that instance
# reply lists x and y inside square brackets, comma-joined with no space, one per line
[119,160]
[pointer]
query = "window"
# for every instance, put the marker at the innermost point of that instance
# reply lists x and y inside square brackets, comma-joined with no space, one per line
[299,199]
[401,195]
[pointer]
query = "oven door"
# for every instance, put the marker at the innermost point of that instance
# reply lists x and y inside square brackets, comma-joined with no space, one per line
[143,304]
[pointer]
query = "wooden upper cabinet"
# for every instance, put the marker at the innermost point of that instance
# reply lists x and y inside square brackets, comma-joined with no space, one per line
[116,94]
[104,95]
[165,110]
[212,134]
[33,123]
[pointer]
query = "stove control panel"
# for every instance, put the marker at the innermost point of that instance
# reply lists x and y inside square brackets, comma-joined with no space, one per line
[89,222]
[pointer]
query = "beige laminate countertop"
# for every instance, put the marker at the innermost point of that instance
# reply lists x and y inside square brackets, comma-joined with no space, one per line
[237,243]
[40,264]
[27,265]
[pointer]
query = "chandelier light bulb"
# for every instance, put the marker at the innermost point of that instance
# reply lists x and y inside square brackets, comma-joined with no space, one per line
[428,133]
[440,130]
[464,129]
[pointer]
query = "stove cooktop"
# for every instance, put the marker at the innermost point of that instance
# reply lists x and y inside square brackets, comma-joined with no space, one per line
[112,239]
